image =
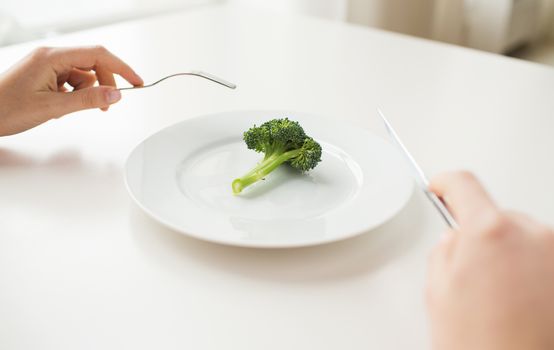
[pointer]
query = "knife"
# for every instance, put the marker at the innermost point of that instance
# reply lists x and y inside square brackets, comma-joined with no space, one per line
[419,176]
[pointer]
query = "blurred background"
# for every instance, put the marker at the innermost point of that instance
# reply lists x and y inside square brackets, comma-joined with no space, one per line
[520,28]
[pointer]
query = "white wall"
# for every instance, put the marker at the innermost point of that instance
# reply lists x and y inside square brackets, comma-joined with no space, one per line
[448,21]
[22,20]
[413,17]
[487,23]
[546,19]
[502,25]
[332,9]
[445,20]
[492,25]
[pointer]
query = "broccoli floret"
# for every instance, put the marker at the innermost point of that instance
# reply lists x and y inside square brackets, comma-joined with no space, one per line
[281,141]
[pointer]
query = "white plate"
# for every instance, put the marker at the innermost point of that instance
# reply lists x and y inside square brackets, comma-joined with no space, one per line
[181,176]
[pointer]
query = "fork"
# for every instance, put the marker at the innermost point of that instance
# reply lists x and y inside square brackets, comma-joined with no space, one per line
[194,73]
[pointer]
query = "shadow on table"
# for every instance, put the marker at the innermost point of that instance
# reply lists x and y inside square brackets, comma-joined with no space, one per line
[344,259]
[14,159]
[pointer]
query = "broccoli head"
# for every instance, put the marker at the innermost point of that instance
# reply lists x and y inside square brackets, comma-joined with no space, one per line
[281,141]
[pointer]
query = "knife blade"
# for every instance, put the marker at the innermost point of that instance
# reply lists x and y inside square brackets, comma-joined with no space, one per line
[419,175]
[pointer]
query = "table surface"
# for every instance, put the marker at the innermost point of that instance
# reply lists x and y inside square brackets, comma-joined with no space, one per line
[81,267]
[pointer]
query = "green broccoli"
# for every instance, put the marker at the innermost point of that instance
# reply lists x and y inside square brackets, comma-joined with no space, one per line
[282,141]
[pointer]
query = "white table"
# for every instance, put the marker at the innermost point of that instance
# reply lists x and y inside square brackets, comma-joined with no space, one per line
[81,267]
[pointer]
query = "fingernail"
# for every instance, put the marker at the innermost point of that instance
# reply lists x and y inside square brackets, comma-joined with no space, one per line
[113,96]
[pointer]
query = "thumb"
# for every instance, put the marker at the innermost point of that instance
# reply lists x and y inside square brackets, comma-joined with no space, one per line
[92,97]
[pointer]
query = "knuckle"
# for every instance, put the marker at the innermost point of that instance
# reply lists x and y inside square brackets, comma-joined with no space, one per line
[547,233]
[100,49]
[41,53]
[546,237]
[497,225]
[466,175]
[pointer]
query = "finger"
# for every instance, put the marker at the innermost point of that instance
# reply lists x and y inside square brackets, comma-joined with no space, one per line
[93,58]
[92,97]
[81,79]
[526,223]
[105,78]
[464,196]
[443,249]
[438,263]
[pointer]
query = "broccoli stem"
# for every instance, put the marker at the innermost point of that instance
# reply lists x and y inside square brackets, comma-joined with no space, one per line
[266,166]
